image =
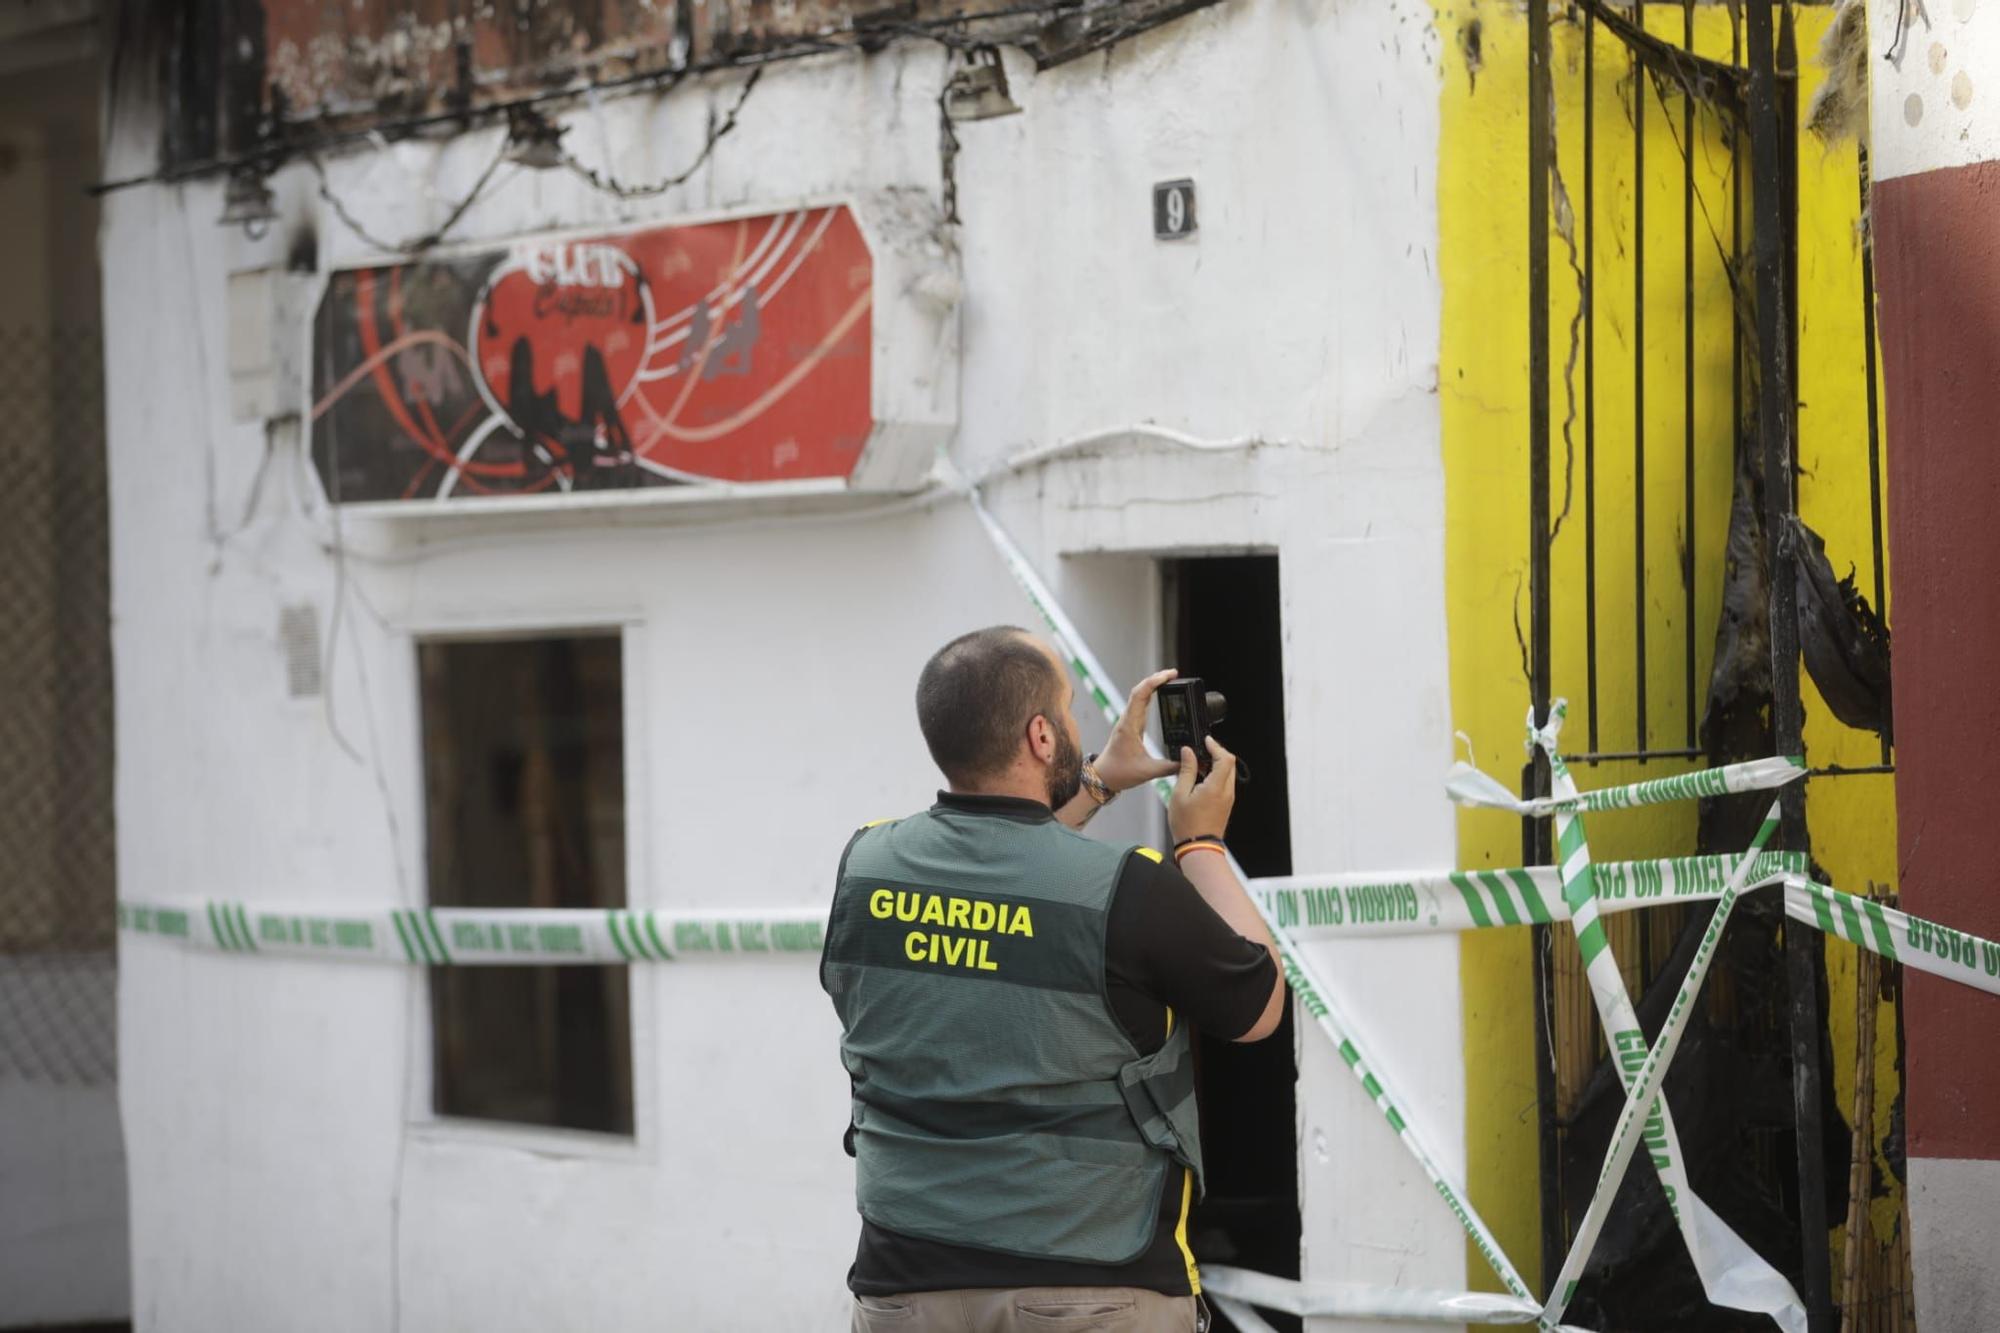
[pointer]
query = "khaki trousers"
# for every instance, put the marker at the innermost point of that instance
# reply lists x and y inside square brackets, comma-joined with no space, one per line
[1026,1310]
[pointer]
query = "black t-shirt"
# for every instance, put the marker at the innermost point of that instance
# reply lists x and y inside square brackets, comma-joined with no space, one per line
[1164,947]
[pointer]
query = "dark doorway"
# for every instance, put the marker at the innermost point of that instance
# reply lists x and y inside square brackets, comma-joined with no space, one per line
[1222,624]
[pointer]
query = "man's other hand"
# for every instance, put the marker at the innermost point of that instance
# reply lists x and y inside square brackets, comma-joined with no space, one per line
[1125,763]
[1201,809]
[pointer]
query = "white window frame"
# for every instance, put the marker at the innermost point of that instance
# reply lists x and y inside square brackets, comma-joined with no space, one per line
[421,1120]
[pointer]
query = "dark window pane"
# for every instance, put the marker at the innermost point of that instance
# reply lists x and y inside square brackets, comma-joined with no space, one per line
[524,775]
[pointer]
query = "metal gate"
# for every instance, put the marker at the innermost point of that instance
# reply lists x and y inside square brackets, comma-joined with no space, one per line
[1663,390]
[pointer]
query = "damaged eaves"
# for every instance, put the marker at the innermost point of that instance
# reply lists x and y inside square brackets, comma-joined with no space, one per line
[1080,31]
[332,64]
[401,78]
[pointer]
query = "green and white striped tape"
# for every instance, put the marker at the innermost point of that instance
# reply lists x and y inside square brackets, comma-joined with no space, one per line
[1304,906]
[459,936]
[1295,908]
[1090,672]
[1468,786]
[1956,955]
[1732,1274]
[1315,907]
[1642,1115]
[1356,1300]
[1312,996]
[1323,907]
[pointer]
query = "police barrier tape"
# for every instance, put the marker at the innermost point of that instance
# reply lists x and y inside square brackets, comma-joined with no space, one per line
[1338,907]
[1307,907]
[1912,941]
[1517,896]
[470,936]
[1356,1300]
[1468,786]
[1315,907]
[460,936]
[1732,1274]
[1636,1116]
[1246,1319]
[1313,998]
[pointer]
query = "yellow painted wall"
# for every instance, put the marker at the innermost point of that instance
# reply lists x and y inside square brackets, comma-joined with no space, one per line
[1852,819]
[1483,386]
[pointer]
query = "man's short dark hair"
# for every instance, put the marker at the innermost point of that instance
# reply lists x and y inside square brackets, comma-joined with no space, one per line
[975,695]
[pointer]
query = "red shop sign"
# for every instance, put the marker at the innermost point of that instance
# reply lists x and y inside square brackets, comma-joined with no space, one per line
[733,351]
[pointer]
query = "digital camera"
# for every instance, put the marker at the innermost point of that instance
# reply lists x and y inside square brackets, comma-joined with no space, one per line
[1188,709]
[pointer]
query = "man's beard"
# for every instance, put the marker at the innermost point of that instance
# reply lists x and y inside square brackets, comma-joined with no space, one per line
[1065,771]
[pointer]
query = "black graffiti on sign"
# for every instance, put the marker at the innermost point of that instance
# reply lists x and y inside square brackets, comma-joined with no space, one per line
[733,345]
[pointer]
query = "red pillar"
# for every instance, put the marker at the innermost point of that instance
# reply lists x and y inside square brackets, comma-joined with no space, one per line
[1936,227]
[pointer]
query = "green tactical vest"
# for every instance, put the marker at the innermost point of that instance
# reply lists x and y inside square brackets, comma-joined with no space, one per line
[998,1103]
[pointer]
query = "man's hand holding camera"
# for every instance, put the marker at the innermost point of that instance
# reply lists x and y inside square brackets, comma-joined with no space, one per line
[1201,809]
[1125,763]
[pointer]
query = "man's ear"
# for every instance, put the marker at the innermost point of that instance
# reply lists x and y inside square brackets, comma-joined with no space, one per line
[1041,738]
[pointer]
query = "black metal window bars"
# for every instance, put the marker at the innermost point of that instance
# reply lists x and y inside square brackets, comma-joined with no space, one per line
[1753,103]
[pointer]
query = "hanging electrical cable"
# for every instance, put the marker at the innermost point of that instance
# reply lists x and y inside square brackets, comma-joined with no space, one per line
[419,243]
[602,179]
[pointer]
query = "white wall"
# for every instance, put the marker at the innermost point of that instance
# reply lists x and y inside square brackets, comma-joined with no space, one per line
[1930,91]
[1951,1242]
[1933,109]
[284,1172]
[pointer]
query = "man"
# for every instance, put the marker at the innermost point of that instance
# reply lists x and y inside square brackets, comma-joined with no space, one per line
[1016,1002]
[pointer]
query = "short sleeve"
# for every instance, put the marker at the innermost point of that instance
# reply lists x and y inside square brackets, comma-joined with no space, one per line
[1165,945]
